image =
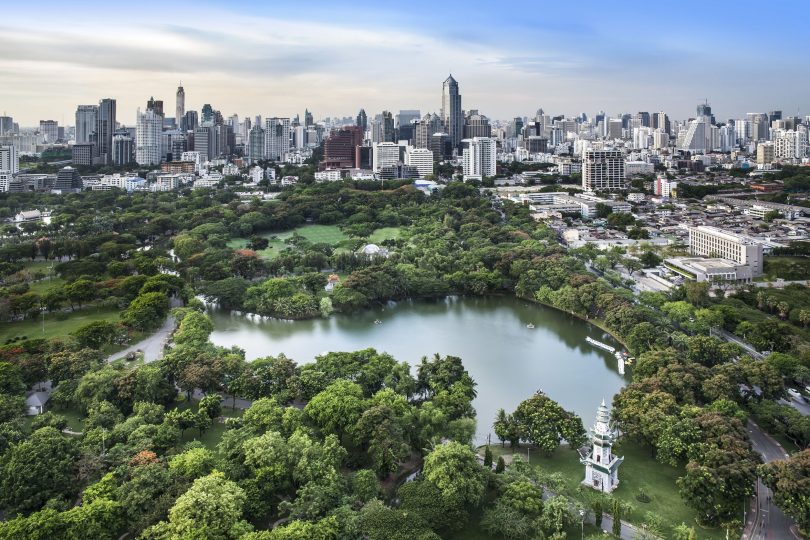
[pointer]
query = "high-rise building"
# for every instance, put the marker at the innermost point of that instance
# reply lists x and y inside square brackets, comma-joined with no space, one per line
[382,128]
[205,142]
[309,120]
[86,118]
[441,146]
[191,121]
[339,148]
[6,125]
[407,116]
[207,114]
[180,107]
[760,126]
[9,159]
[256,144]
[479,158]
[148,137]
[451,111]
[603,170]
[49,130]
[697,138]
[82,154]
[421,158]
[386,154]
[123,149]
[429,125]
[660,120]
[362,120]
[105,127]
[156,106]
[277,138]
[765,153]
[476,125]
[663,186]
[704,109]
[774,115]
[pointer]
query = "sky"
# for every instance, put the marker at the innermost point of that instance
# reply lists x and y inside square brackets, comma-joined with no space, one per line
[276,58]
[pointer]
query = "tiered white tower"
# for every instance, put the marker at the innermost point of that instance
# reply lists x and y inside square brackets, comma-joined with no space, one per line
[601,466]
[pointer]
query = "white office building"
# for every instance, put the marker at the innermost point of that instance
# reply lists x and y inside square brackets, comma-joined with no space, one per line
[713,242]
[148,132]
[789,144]
[421,158]
[603,170]
[479,158]
[385,154]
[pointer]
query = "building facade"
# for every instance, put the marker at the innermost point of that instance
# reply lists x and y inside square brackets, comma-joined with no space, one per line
[452,115]
[479,158]
[713,242]
[148,137]
[603,170]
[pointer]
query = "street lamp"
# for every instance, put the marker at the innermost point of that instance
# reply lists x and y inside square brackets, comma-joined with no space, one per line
[582,522]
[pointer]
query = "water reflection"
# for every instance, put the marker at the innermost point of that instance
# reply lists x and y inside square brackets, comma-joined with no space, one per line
[508,360]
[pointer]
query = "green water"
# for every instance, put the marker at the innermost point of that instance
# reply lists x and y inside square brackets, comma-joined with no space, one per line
[507,360]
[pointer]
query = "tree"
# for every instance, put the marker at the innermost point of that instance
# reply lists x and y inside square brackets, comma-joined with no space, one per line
[211,509]
[38,469]
[193,463]
[454,469]
[96,334]
[80,291]
[211,405]
[146,311]
[790,481]
[500,466]
[544,423]
[337,408]
[488,458]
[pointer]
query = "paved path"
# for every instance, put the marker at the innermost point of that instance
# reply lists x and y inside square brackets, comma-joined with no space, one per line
[731,338]
[765,521]
[802,406]
[151,346]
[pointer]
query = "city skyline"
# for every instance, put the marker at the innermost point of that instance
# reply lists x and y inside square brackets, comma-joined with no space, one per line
[335,61]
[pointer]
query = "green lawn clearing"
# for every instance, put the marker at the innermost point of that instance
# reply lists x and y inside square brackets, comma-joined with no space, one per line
[56,325]
[211,437]
[386,233]
[639,471]
[317,234]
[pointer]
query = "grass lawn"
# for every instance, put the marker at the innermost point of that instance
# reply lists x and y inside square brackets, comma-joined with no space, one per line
[43,285]
[386,233]
[212,436]
[54,327]
[789,268]
[318,234]
[639,470]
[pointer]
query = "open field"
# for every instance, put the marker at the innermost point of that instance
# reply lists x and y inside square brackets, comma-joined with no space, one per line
[386,233]
[318,234]
[639,471]
[54,327]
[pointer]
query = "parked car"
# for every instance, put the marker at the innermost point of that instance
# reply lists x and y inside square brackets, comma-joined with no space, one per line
[795,394]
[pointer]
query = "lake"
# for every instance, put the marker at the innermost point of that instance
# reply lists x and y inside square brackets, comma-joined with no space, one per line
[508,360]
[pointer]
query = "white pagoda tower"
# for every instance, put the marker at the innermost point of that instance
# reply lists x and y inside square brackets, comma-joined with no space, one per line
[601,466]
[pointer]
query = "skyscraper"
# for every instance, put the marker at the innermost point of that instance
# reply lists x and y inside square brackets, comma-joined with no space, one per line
[49,130]
[155,105]
[256,144]
[339,148]
[362,119]
[148,143]
[207,114]
[308,119]
[451,110]
[86,117]
[190,121]
[476,125]
[105,127]
[180,107]
[277,135]
[426,128]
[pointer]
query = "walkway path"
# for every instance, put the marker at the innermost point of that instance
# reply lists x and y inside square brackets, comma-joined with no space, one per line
[151,346]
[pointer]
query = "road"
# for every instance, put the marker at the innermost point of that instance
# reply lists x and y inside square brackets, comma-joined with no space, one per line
[151,346]
[765,521]
[731,338]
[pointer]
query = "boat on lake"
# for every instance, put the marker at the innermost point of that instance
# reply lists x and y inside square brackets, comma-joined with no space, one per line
[530,326]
